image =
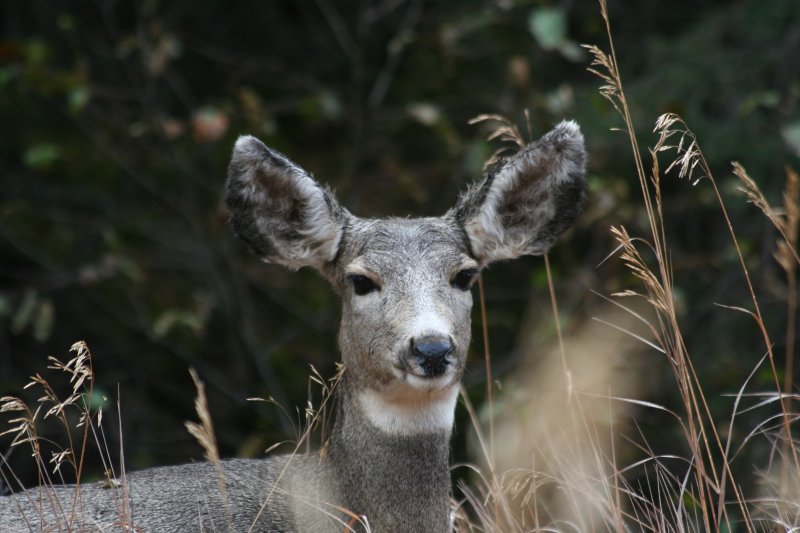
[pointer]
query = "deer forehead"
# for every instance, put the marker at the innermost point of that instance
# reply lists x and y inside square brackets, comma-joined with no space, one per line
[425,247]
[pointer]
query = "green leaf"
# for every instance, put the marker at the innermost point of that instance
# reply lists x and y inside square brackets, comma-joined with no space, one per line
[5,306]
[66,22]
[130,269]
[330,105]
[769,99]
[43,320]
[425,113]
[41,155]
[99,398]
[539,278]
[24,312]
[791,134]
[8,74]
[548,25]
[78,97]
[572,51]
[477,153]
[37,52]
[171,319]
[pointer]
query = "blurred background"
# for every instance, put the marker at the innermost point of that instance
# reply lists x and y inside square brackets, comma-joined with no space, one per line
[118,119]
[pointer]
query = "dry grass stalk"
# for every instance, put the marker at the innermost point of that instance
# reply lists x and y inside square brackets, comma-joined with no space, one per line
[487,357]
[689,159]
[786,255]
[329,387]
[690,162]
[73,412]
[786,221]
[506,132]
[204,434]
[660,283]
[673,124]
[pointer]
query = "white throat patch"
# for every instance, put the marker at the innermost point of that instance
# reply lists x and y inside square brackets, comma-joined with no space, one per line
[406,415]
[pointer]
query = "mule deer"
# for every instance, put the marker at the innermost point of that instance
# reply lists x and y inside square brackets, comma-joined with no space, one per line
[405,287]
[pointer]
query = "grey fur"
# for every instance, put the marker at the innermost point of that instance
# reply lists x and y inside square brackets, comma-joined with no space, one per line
[387,457]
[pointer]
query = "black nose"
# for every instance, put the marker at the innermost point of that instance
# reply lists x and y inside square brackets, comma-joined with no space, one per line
[432,353]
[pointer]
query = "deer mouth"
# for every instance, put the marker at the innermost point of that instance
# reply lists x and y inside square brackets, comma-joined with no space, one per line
[421,377]
[435,367]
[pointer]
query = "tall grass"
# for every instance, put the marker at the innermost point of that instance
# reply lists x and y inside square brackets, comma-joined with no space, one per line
[581,486]
[79,418]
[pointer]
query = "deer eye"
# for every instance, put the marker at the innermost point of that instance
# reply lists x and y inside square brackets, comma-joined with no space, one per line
[362,284]
[464,278]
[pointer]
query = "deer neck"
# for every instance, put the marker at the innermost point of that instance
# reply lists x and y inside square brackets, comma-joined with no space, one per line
[390,456]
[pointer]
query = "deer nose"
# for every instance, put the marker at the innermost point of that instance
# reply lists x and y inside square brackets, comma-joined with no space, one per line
[432,354]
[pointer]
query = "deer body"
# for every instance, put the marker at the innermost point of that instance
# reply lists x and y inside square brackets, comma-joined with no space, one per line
[405,328]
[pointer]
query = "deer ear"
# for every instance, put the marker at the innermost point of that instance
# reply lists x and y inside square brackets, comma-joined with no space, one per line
[279,210]
[524,203]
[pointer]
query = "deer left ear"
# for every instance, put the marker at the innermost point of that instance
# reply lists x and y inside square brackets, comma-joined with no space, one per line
[525,203]
[279,210]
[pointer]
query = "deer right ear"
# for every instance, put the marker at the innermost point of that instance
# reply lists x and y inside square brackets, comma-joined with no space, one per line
[526,202]
[279,210]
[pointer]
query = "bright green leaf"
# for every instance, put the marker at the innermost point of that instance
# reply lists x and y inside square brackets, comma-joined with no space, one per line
[548,25]
[98,399]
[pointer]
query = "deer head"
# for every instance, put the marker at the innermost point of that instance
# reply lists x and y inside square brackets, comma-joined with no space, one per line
[405,283]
